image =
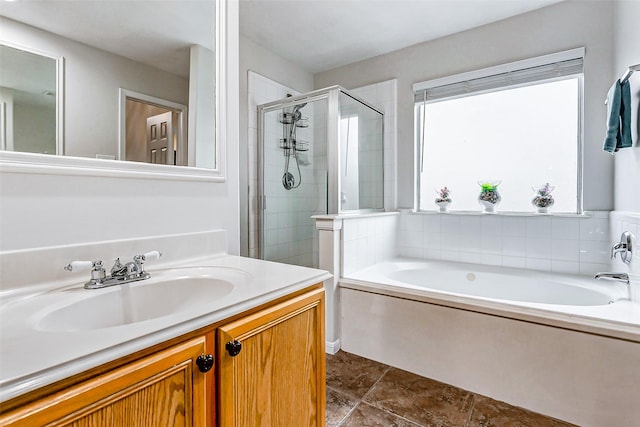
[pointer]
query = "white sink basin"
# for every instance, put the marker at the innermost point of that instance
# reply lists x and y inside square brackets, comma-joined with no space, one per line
[166,293]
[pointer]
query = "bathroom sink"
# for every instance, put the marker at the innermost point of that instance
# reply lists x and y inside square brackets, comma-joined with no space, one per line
[169,292]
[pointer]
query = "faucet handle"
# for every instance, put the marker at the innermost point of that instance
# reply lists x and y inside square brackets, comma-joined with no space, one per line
[147,256]
[82,265]
[151,255]
[98,275]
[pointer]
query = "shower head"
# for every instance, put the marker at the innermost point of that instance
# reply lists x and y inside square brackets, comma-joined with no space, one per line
[296,111]
[299,107]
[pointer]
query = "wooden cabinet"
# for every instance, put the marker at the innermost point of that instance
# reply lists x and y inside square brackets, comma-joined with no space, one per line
[164,389]
[277,377]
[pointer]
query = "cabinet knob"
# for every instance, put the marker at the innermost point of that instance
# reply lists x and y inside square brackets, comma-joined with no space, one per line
[233,347]
[204,362]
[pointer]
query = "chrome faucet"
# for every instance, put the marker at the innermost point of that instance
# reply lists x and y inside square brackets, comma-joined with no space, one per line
[617,277]
[119,274]
[624,247]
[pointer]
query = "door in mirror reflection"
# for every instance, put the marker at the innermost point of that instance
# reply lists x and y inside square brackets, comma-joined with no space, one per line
[160,148]
[152,134]
[27,101]
[146,123]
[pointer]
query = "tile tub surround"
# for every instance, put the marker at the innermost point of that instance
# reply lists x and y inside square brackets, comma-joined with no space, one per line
[363,392]
[627,221]
[368,239]
[562,244]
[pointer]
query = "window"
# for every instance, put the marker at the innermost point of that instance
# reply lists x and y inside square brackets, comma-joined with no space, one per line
[519,124]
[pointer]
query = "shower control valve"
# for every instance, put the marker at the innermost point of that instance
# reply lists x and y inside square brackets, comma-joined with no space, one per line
[624,247]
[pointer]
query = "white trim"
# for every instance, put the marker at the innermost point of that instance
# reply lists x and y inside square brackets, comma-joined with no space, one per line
[29,163]
[221,95]
[59,89]
[503,68]
[42,164]
[60,105]
[3,125]
[332,347]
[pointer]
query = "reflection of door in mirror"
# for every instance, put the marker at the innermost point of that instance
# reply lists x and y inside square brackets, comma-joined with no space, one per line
[154,130]
[159,139]
[28,101]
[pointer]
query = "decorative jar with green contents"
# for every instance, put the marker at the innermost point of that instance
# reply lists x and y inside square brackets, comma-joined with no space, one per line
[489,196]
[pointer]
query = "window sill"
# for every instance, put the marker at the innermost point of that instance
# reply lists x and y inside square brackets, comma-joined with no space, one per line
[506,213]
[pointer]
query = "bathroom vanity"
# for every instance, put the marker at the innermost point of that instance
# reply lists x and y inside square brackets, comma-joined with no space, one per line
[254,357]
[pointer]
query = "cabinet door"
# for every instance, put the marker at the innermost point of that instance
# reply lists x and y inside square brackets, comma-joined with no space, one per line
[164,389]
[278,376]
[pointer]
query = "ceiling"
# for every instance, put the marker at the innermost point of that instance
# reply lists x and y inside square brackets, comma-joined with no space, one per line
[153,32]
[316,34]
[320,35]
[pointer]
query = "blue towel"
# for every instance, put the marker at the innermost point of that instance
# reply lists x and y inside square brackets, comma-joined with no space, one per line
[625,115]
[619,117]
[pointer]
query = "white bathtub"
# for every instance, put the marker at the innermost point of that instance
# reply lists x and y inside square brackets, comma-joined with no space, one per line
[565,346]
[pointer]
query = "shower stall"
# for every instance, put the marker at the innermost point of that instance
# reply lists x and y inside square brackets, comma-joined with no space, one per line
[318,153]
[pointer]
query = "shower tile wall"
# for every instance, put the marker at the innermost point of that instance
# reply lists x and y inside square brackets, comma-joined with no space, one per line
[260,91]
[383,96]
[547,243]
[290,234]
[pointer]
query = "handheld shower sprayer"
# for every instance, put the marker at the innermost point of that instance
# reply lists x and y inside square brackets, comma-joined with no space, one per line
[288,180]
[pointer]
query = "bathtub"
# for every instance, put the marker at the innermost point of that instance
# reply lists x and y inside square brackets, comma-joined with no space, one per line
[562,345]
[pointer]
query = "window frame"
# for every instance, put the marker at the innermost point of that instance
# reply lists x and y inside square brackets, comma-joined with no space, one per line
[577,53]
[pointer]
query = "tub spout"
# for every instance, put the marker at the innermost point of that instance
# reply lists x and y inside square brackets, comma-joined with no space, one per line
[618,277]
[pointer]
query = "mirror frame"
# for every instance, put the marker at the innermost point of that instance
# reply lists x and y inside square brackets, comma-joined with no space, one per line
[17,162]
[59,90]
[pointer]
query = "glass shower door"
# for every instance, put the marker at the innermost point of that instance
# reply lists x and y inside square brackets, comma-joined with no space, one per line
[361,155]
[294,169]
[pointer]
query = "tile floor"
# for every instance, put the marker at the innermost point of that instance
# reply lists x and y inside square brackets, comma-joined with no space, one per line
[365,393]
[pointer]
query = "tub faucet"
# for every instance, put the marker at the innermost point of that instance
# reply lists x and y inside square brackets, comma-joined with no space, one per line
[618,277]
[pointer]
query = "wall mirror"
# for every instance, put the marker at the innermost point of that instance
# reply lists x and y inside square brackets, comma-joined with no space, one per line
[29,103]
[134,84]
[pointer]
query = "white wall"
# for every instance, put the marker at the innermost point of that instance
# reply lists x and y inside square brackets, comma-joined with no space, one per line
[92,79]
[555,28]
[39,210]
[627,52]
[266,63]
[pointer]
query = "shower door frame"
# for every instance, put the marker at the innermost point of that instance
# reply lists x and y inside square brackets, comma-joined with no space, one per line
[331,95]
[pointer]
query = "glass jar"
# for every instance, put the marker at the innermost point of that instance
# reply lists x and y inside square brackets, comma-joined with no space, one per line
[489,196]
[542,199]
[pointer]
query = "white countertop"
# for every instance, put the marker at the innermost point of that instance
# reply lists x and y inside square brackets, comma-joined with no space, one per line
[31,357]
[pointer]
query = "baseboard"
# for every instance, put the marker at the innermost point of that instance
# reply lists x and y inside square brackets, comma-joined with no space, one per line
[332,347]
